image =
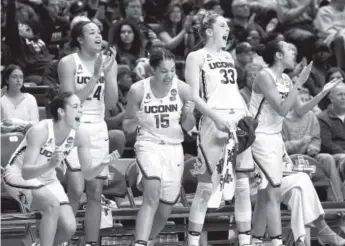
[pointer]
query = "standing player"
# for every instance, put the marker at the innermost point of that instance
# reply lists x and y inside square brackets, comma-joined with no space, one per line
[159,107]
[30,176]
[212,72]
[272,97]
[92,76]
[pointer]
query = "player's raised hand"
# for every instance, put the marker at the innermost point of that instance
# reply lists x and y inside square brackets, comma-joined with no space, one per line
[304,75]
[110,59]
[57,158]
[98,65]
[330,85]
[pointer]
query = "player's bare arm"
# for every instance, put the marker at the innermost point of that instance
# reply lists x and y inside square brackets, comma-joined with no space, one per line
[134,97]
[111,94]
[36,138]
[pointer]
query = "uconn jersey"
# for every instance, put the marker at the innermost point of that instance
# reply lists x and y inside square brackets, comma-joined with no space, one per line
[219,82]
[270,122]
[161,122]
[93,106]
[46,151]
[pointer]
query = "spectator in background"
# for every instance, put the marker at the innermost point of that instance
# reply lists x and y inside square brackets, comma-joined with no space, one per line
[330,24]
[176,32]
[332,73]
[18,109]
[241,23]
[250,71]
[114,117]
[27,48]
[296,21]
[244,56]
[126,37]
[317,78]
[133,12]
[301,135]
[333,128]
[214,5]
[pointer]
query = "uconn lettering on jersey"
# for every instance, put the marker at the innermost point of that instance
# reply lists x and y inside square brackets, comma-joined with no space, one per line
[215,65]
[160,109]
[85,80]
[49,154]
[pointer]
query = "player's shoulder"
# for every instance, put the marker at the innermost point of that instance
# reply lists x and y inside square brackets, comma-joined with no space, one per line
[228,56]
[67,59]
[39,131]
[67,62]
[137,89]
[197,55]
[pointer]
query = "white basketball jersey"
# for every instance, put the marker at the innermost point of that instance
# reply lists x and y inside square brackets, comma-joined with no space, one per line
[46,151]
[219,82]
[93,106]
[162,115]
[270,122]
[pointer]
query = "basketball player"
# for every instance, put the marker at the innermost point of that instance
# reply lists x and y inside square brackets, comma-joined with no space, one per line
[272,97]
[212,72]
[30,176]
[92,76]
[160,108]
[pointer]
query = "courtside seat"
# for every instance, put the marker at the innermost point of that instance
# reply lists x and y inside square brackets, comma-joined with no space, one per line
[38,91]
[9,143]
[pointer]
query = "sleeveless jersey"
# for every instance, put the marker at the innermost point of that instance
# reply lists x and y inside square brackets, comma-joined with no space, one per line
[46,151]
[93,106]
[219,82]
[162,115]
[270,122]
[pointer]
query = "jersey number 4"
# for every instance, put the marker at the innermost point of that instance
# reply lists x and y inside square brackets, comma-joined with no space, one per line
[162,120]
[96,94]
[228,76]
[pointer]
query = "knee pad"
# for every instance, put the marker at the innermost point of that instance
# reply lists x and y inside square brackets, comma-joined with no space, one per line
[199,207]
[243,208]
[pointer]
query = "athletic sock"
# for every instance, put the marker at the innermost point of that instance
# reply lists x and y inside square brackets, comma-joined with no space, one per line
[244,238]
[277,240]
[193,238]
[140,243]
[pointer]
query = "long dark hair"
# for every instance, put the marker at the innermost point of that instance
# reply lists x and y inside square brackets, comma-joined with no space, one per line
[6,75]
[115,39]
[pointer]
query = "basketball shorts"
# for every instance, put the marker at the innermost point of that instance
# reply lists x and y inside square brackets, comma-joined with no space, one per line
[211,144]
[163,162]
[269,153]
[21,190]
[99,148]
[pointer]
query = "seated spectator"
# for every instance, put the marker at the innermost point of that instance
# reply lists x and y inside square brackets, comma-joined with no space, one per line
[241,23]
[332,73]
[27,48]
[317,77]
[176,32]
[126,37]
[296,22]
[214,5]
[133,12]
[244,56]
[251,70]
[330,25]
[18,109]
[301,135]
[333,127]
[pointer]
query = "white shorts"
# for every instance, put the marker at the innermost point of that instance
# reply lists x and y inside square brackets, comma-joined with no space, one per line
[99,148]
[268,153]
[211,145]
[164,163]
[21,189]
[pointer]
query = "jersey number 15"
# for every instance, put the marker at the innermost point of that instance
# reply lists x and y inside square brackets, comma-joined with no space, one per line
[162,120]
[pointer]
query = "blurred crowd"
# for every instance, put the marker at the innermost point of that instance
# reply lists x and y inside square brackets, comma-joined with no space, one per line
[36,35]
